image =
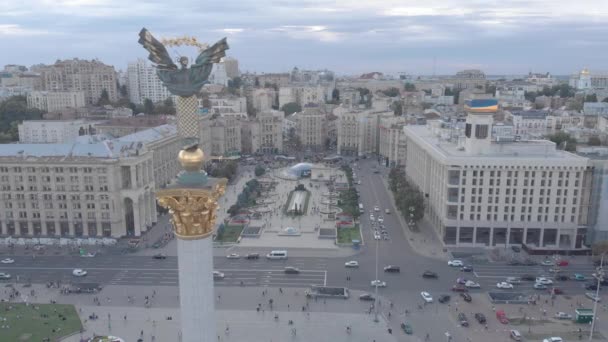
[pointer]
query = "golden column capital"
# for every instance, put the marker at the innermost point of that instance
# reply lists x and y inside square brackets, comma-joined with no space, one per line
[193,210]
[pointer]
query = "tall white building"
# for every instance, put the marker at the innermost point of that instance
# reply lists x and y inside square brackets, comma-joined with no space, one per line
[302,95]
[311,128]
[358,130]
[54,131]
[143,83]
[231,65]
[219,75]
[267,132]
[390,134]
[484,192]
[51,101]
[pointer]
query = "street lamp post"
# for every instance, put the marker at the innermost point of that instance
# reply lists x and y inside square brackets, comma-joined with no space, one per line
[600,276]
[376,295]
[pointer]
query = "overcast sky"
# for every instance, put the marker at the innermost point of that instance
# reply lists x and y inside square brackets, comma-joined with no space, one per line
[347,36]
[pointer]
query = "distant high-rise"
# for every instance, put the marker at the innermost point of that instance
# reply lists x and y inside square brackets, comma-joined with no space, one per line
[143,83]
[232,67]
[91,77]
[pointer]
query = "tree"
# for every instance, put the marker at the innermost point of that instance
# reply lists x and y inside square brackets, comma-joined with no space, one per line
[257,82]
[605,100]
[168,102]
[591,98]
[409,87]
[335,95]
[104,99]
[13,111]
[397,108]
[391,92]
[123,90]
[490,89]
[563,140]
[290,108]
[594,141]
[148,106]
[259,170]
[530,95]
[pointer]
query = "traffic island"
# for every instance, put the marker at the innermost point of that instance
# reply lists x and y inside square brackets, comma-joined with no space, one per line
[37,322]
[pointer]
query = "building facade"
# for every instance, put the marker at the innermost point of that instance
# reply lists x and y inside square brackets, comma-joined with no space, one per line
[76,190]
[50,101]
[390,136]
[530,124]
[143,83]
[54,131]
[267,132]
[302,95]
[91,77]
[358,130]
[311,128]
[483,192]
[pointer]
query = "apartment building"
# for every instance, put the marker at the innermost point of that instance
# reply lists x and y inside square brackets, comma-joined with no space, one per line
[311,128]
[54,131]
[50,101]
[143,83]
[267,132]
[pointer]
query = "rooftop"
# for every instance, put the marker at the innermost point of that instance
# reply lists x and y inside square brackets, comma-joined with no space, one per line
[104,149]
[152,134]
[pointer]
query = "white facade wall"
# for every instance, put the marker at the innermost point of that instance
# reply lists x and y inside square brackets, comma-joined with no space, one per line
[267,132]
[53,131]
[55,100]
[143,83]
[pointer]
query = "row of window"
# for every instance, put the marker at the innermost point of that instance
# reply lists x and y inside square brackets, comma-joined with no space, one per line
[522,218]
[60,187]
[19,169]
[51,205]
[58,179]
[51,215]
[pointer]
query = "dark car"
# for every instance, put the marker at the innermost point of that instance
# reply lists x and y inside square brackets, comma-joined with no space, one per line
[528,277]
[529,262]
[555,291]
[562,277]
[459,288]
[467,268]
[481,318]
[392,269]
[291,270]
[160,256]
[591,286]
[429,274]
[516,249]
[444,299]
[514,263]
[462,319]
[366,297]
[466,297]
[252,256]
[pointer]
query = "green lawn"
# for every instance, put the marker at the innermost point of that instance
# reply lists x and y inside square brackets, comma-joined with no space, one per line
[230,234]
[347,235]
[30,324]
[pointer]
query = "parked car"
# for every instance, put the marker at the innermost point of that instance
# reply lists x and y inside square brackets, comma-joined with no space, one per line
[466,297]
[233,256]
[462,319]
[481,318]
[443,299]
[562,315]
[539,286]
[367,297]
[455,263]
[252,256]
[426,297]
[392,269]
[593,297]
[467,268]
[553,339]
[291,270]
[459,288]
[591,286]
[429,274]
[502,317]
[562,277]
[159,256]
[351,263]
[562,263]
[515,335]
[407,328]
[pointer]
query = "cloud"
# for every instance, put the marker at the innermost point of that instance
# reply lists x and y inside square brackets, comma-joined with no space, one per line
[17,30]
[314,32]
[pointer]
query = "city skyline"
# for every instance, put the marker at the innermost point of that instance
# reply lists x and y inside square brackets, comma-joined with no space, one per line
[350,37]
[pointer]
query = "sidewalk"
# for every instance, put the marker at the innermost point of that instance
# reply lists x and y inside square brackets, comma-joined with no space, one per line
[424,242]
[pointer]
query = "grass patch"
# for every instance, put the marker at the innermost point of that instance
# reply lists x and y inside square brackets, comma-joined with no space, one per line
[36,324]
[347,235]
[230,233]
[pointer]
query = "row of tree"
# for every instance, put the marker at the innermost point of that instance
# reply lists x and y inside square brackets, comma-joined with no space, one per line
[349,200]
[223,169]
[246,198]
[409,200]
[12,112]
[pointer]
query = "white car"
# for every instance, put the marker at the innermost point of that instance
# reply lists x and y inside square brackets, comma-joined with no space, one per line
[378,283]
[351,263]
[88,255]
[7,261]
[376,208]
[387,211]
[513,280]
[547,263]
[593,297]
[426,296]
[233,256]
[79,272]
[544,281]
[472,284]
[380,219]
[455,263]
[553,339]
[218,275]
[372,218]
[504,285]
[5,275]
[377,237]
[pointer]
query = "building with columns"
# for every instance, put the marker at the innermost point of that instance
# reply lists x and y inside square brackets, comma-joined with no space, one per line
[103,189]
[267,132]
[487,192]
[311,128]
[358,130]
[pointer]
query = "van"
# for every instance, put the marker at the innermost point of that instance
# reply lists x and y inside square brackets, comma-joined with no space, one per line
[515,335]
[277,255]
